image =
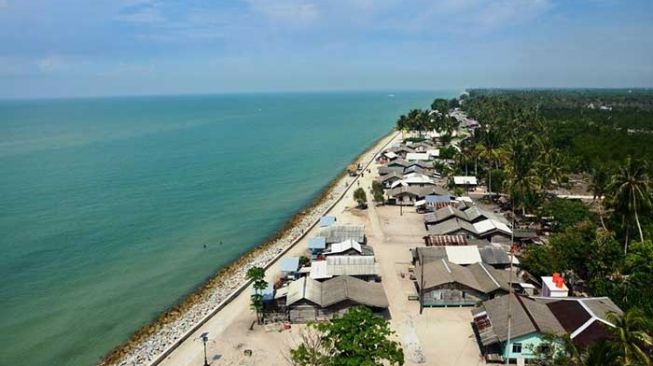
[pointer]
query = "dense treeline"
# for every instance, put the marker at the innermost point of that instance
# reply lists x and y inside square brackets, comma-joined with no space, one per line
[537,138]
[594,127]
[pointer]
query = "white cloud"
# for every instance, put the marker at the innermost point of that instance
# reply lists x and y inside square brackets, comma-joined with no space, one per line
[294,12]
[50,64]
[147,15]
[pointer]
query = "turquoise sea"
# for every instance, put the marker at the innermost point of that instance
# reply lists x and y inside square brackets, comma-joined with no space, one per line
[106,204]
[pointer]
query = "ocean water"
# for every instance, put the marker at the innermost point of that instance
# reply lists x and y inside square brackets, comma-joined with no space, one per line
[106,204]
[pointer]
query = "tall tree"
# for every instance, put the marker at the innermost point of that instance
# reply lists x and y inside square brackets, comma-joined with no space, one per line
[357,338]
[630,191]
[522,179]
[599,180]
[490,150]
[257,276]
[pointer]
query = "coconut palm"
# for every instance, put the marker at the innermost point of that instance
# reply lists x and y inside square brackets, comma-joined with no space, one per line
[522,178]
[601,353]
[490,150]
[600,178]
[630,189]
[632,336]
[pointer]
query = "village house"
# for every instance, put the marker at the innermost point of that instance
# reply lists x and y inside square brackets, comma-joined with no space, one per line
[443,284]
[412,180]
[327,221]
[401,150]
[307,300]
[476,251]
[361,266]
[385,170]
[348,247]
[442,240]
[531,324]
[316,246]
[466,182]
[338,233]
[535,319]
[418,156]
[289,267]
[389,179]
[402,195]
[471,214]
[584,319]
[453,226]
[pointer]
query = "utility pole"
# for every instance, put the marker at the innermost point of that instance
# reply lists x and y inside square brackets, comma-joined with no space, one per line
[512,256]
[205,338]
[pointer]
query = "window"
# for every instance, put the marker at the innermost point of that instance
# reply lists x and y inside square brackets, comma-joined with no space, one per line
[516,348]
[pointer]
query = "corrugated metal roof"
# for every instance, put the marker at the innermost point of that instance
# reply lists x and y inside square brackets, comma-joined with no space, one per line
[327,221]
[317,243]
[463,254]
[337,233]
[289,264]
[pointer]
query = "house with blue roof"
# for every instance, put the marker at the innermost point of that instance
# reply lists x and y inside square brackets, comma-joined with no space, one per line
[327,221]
[289,267]
[316,245]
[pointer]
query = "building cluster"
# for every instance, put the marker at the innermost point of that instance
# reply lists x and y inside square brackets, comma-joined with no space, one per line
[467,259]
[339,270]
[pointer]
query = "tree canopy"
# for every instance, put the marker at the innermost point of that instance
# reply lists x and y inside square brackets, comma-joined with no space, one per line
[357,338]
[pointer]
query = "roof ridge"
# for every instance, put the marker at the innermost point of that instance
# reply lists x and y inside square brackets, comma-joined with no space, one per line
[489,274]
[528,313]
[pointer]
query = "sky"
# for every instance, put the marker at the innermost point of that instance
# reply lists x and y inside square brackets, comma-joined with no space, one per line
[137,47]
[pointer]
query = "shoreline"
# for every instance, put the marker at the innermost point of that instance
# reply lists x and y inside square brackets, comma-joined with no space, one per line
[152,342]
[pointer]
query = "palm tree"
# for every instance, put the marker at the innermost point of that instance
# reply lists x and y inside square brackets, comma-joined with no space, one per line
[632,336]
[631,192]
[522,178]
[490,150]
[601,353]
[598,185]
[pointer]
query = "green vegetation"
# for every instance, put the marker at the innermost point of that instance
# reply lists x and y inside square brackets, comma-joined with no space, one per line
[538,139]
[357,338]
[377,191]
[360,197]
[257,276]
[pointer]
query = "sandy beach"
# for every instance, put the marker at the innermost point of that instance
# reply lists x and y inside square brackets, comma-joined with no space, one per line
[224,300]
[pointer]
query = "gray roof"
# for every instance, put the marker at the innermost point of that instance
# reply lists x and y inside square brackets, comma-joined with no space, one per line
[493,254]
[384,170]
[471,214]
[338,248]
[336,290]
[391,176]
[412,191]
[451,226]
[443,214]
[337,233]
[528,316]
[476,276]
